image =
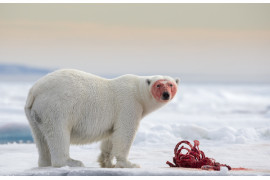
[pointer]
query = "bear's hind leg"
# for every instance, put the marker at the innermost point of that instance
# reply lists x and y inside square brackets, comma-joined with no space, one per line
[105,158]
[42,146]
[59,141]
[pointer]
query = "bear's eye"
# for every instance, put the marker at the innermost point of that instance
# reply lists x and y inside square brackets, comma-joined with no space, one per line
[158,85]
[171,85]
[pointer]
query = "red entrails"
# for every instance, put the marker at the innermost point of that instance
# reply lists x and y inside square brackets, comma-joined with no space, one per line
[194,158]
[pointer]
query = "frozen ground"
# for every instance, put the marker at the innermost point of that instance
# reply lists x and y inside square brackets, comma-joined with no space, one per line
[232,122]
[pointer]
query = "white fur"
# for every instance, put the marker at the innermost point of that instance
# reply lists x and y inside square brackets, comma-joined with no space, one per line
[73,107]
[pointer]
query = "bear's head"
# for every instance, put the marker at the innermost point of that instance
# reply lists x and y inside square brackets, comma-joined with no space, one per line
[163,89]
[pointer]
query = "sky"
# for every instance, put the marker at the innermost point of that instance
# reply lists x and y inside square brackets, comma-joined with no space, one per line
[196,42]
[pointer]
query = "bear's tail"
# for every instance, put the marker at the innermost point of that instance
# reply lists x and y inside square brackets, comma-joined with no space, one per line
[28,105]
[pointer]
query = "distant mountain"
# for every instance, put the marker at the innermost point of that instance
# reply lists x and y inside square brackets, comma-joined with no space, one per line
[10,69]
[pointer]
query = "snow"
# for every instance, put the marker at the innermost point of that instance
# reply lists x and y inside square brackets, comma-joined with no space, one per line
[21,159]
[231,121]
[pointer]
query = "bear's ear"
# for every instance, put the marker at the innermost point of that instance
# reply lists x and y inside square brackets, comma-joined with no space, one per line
[177,80]
[148,81]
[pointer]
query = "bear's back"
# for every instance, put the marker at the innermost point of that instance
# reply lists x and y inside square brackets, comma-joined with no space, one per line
[67,80]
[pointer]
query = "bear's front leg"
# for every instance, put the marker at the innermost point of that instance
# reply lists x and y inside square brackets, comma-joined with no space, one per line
[124,133]
[121,146]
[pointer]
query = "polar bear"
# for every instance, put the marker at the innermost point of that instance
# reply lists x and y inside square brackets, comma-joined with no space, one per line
[74,107]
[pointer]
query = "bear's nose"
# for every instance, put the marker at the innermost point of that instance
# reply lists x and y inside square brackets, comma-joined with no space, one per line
[165,96]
